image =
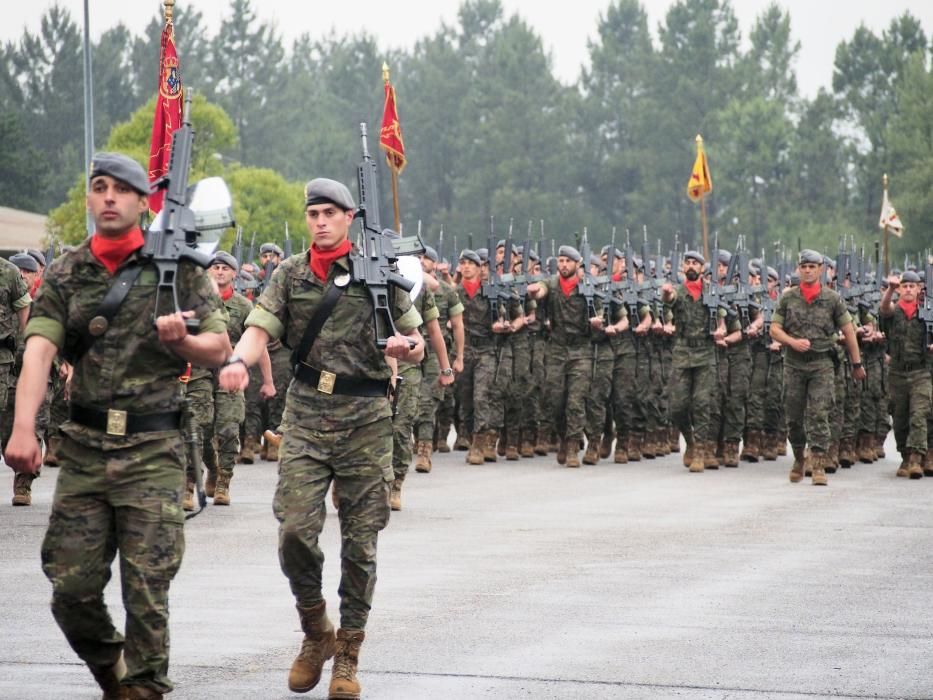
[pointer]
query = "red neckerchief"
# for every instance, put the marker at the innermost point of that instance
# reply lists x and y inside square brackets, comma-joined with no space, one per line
[321,260]
[810,291]
[35,287]
[113,251]
[908,307]
[568,284]
[694,288]
[227,293]
[471,287]
[773,294]
[617,277]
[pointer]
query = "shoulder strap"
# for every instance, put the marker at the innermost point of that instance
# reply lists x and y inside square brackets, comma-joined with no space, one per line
[318,319]
[108,308]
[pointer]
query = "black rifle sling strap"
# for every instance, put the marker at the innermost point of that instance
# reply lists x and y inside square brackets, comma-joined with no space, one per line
[102,318]
[318,319]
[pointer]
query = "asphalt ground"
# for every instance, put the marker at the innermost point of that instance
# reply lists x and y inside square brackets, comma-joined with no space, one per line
[530,580]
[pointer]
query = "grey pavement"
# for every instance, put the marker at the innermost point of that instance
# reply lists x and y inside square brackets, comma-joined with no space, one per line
[530,580]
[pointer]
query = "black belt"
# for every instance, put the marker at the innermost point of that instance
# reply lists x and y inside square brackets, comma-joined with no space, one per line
[908,367]
[329,383]
[114,422]
[696,342]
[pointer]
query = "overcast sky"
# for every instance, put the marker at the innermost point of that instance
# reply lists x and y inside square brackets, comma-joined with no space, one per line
[819,25]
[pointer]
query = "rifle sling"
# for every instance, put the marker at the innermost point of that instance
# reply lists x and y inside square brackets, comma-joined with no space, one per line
[318,319]
[108,308]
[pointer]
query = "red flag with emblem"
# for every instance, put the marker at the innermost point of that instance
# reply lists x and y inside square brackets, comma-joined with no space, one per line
[168,115]
[390,138]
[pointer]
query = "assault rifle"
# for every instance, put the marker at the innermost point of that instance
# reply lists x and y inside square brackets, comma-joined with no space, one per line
[587,284]
[287,248]
[926,308]
[251,255]
[173,236]
[375,264]
[712,297]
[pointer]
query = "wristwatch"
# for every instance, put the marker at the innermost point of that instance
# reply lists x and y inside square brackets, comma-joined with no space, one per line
[856,365]
[233,359]
[449,372]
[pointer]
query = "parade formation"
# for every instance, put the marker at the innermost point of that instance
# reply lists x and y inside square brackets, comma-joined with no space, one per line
[147,364]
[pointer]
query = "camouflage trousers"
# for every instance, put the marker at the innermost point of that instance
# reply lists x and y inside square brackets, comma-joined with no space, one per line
[626,408]
[738,374]
[222,437]
[648,368]
[536,381]
[429,398]
[569,370]
[58,406]
[406,411]
[809,402]
[8,410]
[264,414]
[836,418]
[763,408]
[519,409]
[597,399]
[911,396]
[359,462]
[127,501]
[873,414]
[851,405]
[483,388]
[693,390]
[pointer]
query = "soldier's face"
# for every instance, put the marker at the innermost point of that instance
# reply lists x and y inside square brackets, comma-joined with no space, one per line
[221,274]
[908,291]
[469,269]
[28,277]
[266,257]
[567,267]
[427,264]
[809,272]
[692,269]
[114,206]
[328,224]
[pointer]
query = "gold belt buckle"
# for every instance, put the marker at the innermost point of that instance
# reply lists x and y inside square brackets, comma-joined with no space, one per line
[116,422]
[325,384]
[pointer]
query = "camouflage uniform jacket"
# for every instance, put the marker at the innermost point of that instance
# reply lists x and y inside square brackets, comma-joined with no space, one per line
[448,305]
[13,297]
[477,321]
[345,346]
[693,344]
[127,368]
[570,323]
[817,322]
[906,337]
[427,309]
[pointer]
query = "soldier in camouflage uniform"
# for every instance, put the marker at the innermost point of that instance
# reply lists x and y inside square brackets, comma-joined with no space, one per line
[909,378]
[693,373]
[597,399]
[337,427]
[14,310]
[122,462]
[805,323]
[570,353]
[761,429]
[452,328]
[521,410]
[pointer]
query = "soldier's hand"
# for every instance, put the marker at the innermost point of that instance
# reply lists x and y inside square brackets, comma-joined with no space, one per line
[611,330]
[23,453]
[894,281]
[858,374]
[397,346]
[267,391]
[669,329]
[801,344]
[445,379]
[775,346]
[171,327]
[667,289]
[233,378]
[597,323]
[458,365]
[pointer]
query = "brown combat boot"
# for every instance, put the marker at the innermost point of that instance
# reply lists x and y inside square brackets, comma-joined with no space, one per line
[562,452]
[915,466]
[928,462]
[108,678]
[769,442]
[634,446]
[513,439]
[662,442]
[751,448]
[730,454]
[621,455]
[423,460]
[317,647]
[541,442]
[210,481]
[673,439]
[648,448]
[796,470]
[139,692]
[222,489]
[605,445]
[271,445]
[879,446]
[591,456]
[782,443]
[187,501]
[902,468]
[527,449]
[710,458]
[866,448]
[22,489]
[573,454]
[847,456]
[819,461]
[489,446]
[688,453]
[475,455]
[395,494]
[343,682]
[440,438]
[463,441]
[501,442]
[51,451]
[248,453]
[697,457]
[831,458]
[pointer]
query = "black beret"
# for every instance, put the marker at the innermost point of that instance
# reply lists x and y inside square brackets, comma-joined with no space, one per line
[471,255]
[533,256]
[772,273]
[596,260]
[809,256]
[829,261]
[36,255]
[430,253]
[321,191]
[271,248]
[910,276]
[483,254]
[725,257]
[568,251]
[24,261]
[694,255]
[122,168]
[222,256]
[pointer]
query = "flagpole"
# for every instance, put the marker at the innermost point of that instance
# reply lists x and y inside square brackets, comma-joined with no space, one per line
[88,110]
[385,78]
[884,185]
[699,141]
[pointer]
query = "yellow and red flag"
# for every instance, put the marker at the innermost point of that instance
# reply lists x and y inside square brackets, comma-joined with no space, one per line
[889,220]
[168,113]
[701,184]
[390,137]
